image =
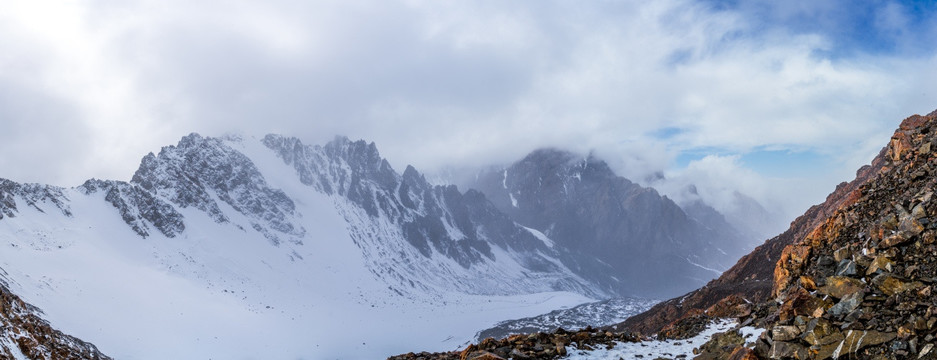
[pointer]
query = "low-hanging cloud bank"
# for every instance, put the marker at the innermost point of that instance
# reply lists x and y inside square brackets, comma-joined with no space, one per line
[87,88]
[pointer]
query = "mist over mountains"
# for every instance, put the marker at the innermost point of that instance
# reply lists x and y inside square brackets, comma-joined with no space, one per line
[302,238]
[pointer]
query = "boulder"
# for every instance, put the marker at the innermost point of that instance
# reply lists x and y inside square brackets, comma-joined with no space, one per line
[891,285]
[840,286]
[786,350]
[856,340]
[846,305]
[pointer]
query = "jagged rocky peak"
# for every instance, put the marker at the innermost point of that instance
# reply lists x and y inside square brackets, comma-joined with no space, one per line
[439,224]
[32,195]
[199,170]
[358,153]
[645,243]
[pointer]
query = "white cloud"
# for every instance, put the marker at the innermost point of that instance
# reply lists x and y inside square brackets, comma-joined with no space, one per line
[438,83]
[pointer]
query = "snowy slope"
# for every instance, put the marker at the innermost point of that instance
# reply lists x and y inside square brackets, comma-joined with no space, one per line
[220,248]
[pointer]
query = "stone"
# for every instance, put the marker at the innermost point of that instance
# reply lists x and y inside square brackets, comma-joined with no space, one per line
[918,212]
[894,239]
[842,253]
[786,350]
[891,285]
[560,350]
[826,266]
[910,225]
[846,267]
[517,354]
[741,353]
[720,346]
[880,263]
[820,331]
[808,283]
[848,304]
[468,350]
[801,302]
[784,333]
[484,355]
[856,340]
[925,350]
[929,237]
[840,286]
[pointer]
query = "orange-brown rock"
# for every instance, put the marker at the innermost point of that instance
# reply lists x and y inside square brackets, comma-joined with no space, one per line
[34,337]
[742,353]
[840,286]
[732,306]
[468,350]
[752,277]
[801,303]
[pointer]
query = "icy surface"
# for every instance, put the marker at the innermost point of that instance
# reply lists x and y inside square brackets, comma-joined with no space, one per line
[666,349]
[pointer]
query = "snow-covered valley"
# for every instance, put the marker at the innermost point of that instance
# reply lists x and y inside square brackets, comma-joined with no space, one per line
[256,248]
[225,290]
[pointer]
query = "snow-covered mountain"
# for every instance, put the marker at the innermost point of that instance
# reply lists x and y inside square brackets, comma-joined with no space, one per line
[328,248]
[646,245]
[324,248]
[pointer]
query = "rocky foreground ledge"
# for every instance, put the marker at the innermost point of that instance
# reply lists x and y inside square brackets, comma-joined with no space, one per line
[538,345]
[731,344]
[859,285]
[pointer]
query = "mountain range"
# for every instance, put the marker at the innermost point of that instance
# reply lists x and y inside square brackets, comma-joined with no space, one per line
[852,277]
[213,238]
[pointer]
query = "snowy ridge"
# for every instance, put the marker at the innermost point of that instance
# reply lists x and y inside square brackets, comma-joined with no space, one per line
[204,173]
[33,195]
[325,248]
[624,237]
[424,238]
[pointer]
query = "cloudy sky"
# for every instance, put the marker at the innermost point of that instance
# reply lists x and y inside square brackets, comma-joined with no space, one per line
[778,99]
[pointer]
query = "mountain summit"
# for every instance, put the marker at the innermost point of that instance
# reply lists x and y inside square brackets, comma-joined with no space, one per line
[645,244]
[273,233]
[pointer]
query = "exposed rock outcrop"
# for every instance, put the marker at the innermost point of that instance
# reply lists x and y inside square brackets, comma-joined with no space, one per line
[860,285]
[647,245]
[539,346]
[24,334]
[752,276]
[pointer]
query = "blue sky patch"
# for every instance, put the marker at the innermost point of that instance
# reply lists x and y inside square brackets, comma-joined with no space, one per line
[851,27]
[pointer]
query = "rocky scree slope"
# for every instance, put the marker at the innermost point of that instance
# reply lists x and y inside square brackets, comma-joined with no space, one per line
[646,244]
[751,278]
[852,278]
[861,285]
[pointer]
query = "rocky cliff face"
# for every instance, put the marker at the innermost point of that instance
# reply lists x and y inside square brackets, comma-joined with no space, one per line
[852,277]
[206,174]
[861,283]
[440,222]
[25,335]
[751,278]
[645,243]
